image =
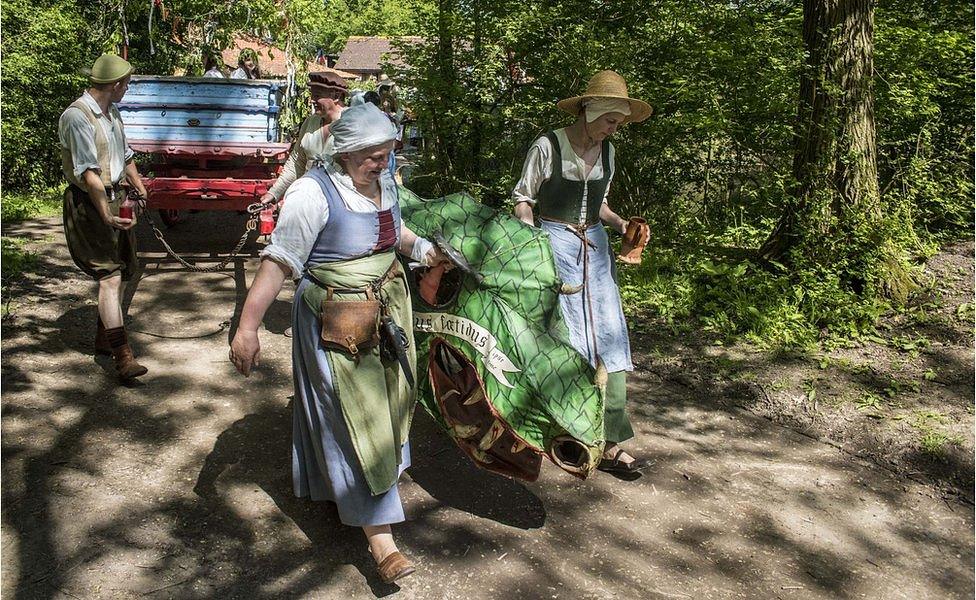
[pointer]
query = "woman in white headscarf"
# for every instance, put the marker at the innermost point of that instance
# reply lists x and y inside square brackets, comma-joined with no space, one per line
[337,235]
[565,181]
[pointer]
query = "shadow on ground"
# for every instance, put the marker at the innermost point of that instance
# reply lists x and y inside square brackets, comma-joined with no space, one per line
[181,487]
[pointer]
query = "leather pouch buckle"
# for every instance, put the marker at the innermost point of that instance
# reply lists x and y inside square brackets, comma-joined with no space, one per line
[350,325]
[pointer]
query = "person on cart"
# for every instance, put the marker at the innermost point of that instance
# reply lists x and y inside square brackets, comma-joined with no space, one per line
[389,104]
[212,64]
[95,159]
[247,65]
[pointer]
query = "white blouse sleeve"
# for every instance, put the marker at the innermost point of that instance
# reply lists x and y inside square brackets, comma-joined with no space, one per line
[420,249]
[613,171]
[78,137]
[537,168]
[294,166]
[303,215]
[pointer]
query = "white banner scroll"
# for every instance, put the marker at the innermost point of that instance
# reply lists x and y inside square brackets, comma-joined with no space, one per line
[480,339]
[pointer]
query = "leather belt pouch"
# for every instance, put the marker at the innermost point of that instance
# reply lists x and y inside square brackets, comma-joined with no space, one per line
[350,325]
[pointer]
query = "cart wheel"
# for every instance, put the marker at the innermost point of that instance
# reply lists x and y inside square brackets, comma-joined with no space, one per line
[170,216]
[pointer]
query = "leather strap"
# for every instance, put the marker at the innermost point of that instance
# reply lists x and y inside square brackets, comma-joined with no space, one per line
[371,287]
[111,192]
[571,224]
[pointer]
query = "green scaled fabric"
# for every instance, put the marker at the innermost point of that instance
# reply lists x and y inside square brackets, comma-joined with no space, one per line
[519,391]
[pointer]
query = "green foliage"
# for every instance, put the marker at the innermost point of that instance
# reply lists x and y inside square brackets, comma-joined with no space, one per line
[326,27]
[925,113]
[49,45]
[18,206]
[15,260]
[711,170]
[42,62]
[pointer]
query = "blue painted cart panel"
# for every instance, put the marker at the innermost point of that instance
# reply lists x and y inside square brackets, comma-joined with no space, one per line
[192,109]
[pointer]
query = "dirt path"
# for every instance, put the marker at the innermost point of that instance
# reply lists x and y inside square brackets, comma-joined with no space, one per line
[901,398]
[180,487]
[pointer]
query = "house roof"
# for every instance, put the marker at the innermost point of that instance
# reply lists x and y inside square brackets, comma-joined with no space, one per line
[315,67]
[271,59]
[365,53]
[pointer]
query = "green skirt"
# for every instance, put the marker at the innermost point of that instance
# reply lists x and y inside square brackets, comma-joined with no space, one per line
[376,399]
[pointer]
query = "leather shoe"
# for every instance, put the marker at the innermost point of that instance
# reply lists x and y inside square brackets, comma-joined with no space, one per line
[619,468]
[125,363]
[395,566]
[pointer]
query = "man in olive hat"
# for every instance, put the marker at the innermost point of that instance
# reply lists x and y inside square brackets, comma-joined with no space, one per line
[313,142]
[95,158]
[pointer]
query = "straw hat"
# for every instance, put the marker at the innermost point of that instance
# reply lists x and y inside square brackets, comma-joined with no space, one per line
[607,84]
[109,68]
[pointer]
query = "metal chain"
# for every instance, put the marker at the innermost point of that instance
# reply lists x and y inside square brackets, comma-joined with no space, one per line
[253,209]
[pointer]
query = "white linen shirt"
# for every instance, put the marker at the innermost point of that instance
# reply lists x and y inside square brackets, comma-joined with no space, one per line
[76,134]
[309,150]
[538,168]
[306,211]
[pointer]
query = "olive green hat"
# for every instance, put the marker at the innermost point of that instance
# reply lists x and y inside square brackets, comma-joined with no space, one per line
[109,68]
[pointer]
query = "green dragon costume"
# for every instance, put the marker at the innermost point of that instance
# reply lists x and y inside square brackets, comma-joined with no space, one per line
[501,376]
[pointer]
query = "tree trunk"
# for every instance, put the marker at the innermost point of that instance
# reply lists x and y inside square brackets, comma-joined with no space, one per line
[478,108]
[443,144]
[834,166]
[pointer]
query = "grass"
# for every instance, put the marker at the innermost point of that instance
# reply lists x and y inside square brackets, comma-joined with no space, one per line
[934,439]
[870,403]
[733,299]
[965,312]
[20,206]
[935,442]
[15,261]
[930,425]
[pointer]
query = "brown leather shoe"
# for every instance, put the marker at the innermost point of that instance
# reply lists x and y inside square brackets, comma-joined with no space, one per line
[102,345]
[395,566]
[125,363]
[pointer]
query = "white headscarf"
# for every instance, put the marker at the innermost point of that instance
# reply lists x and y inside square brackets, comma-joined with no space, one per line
[361,127]
[597,107]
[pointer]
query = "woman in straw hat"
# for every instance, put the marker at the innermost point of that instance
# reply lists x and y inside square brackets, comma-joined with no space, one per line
[565,179]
